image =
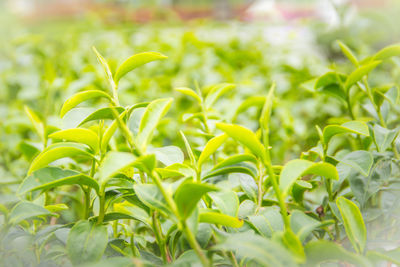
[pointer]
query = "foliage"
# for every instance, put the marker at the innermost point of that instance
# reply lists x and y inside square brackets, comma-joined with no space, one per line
[118,184]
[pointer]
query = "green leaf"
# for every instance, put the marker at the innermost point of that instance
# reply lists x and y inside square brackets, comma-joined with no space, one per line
[216,92]
[50,177]
[359,73]
[109,133]
[168,155]
[86,242]
[353,223]
[133,211]
[297,168]
[244,136]
[230,169]
[78,98]
[348,53]
[267,109]
[221,219]
[79,135]
[235,159]
[175,170]
[360,160]
[383,137]
[58,151]
[356,127]
[114,162]
[264,252]
[188,195]
[189,92]
[293,243]
[267,222]
[151,196]
[25,210]
[212,145]
[136,61]
[105,66]
[302,224]
[102,114]
[321,251]
[387,52]
[226,201]
[151,117]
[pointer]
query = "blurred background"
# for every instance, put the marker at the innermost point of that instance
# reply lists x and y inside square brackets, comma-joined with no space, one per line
[46,56]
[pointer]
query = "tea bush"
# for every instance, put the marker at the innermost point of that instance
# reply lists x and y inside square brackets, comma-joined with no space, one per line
[122,170]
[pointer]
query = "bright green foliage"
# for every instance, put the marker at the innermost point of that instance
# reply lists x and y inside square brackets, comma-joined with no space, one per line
[242,172]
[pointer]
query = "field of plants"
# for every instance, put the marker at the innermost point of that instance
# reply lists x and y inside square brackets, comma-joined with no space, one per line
[200,143]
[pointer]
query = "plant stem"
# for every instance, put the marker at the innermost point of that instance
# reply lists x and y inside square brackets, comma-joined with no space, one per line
[159,236]
[260,189]
[194,244]
[272,176]
[102,199]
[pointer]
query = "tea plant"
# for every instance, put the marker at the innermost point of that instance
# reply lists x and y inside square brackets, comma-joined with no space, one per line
[106,193]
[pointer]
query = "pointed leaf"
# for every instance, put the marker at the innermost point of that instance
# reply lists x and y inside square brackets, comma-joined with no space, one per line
[347,52]
[25,210]
[189,92]
[353,223]
[388,52]
[50,177]
[361,161]
[357,127]
[151,117]
[102,114]
[297,168]
[78,98]
[221,219]
[211,147]
[136,61]
[58,151]
[188,195]
[79,135]
[359,73]
[244,136]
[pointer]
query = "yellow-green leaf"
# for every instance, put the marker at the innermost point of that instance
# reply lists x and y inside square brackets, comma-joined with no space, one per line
[78,98]
[58,151]
[244,136]
[357,127]
[79,135]
[212,145]
[136,61]
[220,218]
[297,168]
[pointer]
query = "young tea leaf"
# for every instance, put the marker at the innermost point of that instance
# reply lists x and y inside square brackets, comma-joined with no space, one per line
[188,195]
[244,136]
[78,98]
[212,145]
[357,127]
[353,223]
[221,219]
[79,135]
[297,168]
[359,73]
[25,210]
[136,61]
[151,117]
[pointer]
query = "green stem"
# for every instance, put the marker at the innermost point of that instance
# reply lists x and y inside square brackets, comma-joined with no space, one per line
[195,245]
[159,236]
[260,190]
[272,176]
[102,199]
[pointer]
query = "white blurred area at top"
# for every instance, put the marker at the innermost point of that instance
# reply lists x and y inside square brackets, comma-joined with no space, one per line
[332,12]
